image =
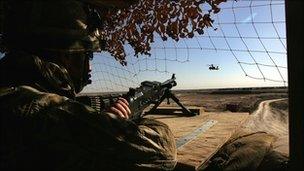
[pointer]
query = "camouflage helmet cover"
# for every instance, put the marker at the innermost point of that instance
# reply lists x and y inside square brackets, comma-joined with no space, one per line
[58,25]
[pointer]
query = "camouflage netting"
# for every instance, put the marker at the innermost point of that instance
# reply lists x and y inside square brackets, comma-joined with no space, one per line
[136,22]
[137,25]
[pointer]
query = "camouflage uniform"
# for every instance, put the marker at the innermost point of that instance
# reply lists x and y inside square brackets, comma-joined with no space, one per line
[43,127]
[43,130]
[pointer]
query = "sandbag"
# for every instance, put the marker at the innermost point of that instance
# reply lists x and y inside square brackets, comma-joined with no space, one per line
[248,151]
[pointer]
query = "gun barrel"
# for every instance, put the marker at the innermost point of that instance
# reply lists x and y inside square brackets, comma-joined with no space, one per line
[170,82]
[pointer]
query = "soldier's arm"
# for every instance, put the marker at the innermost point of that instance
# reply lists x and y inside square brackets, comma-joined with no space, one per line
[147,144]
[107,137]
[65,134]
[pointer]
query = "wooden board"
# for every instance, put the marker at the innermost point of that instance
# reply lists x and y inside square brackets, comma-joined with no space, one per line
[197,152]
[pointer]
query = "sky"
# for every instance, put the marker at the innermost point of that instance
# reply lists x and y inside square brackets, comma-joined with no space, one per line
[189,58]
[238,26]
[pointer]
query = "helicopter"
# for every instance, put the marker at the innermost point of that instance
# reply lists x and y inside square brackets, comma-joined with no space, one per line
[212,67]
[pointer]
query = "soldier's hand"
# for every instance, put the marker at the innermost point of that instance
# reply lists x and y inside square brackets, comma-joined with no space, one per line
[121,108]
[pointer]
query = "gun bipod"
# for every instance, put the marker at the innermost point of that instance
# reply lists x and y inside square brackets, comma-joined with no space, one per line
[169,95]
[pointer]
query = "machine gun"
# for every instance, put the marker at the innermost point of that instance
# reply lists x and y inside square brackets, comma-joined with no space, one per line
[149,92]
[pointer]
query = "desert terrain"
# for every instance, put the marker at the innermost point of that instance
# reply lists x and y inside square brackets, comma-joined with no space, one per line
[234,100]
[268,108]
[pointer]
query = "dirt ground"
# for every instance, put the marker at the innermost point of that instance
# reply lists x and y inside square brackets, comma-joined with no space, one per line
[235,100]
[268,108]
[281,108]
[272,116]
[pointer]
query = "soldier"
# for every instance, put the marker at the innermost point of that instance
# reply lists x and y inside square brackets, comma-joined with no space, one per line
[49,45]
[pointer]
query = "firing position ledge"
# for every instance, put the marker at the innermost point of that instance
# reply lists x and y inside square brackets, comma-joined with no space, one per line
[199,137]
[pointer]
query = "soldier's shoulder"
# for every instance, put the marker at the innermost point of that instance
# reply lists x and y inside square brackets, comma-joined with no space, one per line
[27,92]
[26,99]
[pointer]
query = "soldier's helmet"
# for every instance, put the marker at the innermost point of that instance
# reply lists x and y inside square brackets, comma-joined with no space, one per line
[58,30]
[57,25]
